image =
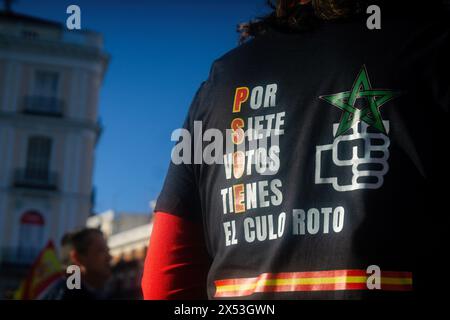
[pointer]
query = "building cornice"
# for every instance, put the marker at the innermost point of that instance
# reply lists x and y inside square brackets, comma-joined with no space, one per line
[55,49]
[63,123]
[135,235]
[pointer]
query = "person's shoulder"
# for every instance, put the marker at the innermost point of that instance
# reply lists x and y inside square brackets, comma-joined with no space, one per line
[55,291]
[60,291]
[78,294]
[431,15]
[243,56]
[247,47]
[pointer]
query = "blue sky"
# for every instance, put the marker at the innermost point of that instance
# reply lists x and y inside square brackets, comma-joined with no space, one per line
[160,51]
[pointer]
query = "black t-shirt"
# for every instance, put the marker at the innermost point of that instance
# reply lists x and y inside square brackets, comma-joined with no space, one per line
[351,186]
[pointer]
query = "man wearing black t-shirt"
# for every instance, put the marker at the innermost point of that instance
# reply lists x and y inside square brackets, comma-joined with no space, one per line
[331,190]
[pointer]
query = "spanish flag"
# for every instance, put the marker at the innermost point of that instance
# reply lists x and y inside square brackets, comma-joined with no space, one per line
[44,272]
[331,280]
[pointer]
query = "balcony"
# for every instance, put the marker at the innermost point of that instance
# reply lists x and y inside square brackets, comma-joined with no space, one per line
[35,179]
[18,256]
[41,105]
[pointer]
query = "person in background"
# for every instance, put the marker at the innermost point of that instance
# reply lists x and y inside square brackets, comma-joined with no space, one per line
[86,248]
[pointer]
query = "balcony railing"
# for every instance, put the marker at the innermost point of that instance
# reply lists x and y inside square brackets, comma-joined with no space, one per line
[35,179]
[18,255]
[40,105]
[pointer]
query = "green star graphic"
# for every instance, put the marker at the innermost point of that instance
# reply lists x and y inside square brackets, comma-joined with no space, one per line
[369,114]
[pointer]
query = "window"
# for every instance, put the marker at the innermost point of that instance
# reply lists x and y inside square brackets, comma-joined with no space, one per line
[46,84]
[38,158]
[31,236]
[44,99]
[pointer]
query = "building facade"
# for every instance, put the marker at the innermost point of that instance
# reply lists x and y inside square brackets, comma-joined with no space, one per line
[50,80]
[128,234]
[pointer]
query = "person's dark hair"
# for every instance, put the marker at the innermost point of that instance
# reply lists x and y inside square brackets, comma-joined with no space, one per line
[294,16]
[79,240]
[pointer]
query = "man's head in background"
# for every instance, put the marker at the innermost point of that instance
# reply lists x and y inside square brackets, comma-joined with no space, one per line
[88,249]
